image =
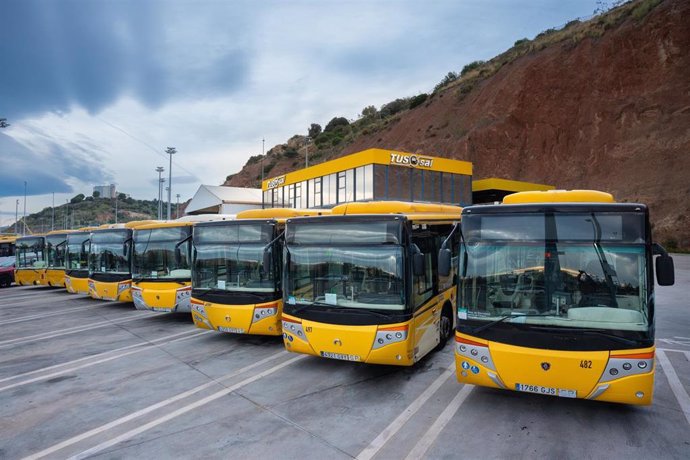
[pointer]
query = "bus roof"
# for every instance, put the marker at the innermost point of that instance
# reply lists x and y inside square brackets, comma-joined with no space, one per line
[59,232]
[559,196]
[280,214]
[410,209]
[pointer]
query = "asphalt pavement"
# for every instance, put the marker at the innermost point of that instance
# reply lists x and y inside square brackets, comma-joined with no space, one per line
[82,378]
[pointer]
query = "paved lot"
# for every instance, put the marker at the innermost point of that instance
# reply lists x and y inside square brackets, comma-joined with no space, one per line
[84,378]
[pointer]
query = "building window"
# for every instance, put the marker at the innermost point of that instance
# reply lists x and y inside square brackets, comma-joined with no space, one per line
[317,193]
[332,189]
[341,187]
[298,195]
[369,182]
[380,179]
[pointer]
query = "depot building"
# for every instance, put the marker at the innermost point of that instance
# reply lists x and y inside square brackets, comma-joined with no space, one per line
[372,174]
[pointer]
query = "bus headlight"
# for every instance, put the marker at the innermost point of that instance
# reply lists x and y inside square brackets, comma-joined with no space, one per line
[293,328]
[387,335]
[263,312]
[620,366]
[474,350]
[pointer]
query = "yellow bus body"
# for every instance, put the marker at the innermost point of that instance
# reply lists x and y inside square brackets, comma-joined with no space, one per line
[76,285]
[55,277]
[238,319]
[404,343]
[28,276]
[400,344]
[573,374]
[119,291]
[162,296]
[612,375]
[257,319]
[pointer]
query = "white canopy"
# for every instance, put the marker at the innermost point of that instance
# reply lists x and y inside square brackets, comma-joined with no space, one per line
[218,199]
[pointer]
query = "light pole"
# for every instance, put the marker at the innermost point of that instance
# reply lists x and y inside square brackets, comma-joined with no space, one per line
[306,151]
[52,218]
[24,218]
[170,151]
[160,170]
[177,210]
[16,218]
[116,208]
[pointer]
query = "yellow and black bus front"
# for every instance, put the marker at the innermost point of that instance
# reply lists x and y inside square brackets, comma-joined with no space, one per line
[365,288]
[236,276]
[30,264]
[77,262]
[55,249]
[110,256]
[161,268]
[558,299]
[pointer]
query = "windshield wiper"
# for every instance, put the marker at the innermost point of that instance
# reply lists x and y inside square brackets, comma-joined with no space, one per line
[503,318]
[590,331]
[358,310]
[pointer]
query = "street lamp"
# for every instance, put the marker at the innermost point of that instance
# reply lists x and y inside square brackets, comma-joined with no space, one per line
[16,218]
[177,211]
[159,170]
[24,218]
[306,151]
[170,151]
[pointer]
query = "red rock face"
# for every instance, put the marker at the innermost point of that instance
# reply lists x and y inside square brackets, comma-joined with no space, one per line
[610,113]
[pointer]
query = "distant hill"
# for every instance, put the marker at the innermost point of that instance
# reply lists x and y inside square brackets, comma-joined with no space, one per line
[90,211]
[601,104]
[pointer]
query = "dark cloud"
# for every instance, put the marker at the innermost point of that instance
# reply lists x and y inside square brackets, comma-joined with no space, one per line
[55,54]
[46,172]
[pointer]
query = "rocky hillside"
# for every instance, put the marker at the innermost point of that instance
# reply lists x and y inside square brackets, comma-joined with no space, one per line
[602,104]
[89,211]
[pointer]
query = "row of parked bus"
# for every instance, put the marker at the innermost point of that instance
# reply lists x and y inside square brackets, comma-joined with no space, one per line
[549,292]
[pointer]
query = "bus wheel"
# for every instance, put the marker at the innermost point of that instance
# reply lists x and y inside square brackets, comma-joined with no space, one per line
[445,326]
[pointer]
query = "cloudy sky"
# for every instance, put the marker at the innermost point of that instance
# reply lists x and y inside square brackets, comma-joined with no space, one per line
[96,90]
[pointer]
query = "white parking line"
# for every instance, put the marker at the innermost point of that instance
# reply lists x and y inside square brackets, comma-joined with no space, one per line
[406,415]
[139,347]
[676,385]
[434,430]
[71,330]
[44,315]
[161,404]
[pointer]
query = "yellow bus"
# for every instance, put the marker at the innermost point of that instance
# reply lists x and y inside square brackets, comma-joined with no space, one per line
[30,264]
[556,296]
[236,271]
[7,245]
[362,284]
[161,268]
[77,261]
[55,248]
[110,261]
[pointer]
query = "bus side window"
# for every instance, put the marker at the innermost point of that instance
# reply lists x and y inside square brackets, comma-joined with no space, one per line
[423,286]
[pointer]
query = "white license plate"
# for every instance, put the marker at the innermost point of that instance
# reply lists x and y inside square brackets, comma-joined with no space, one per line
[538,389]
[161,309]
[233,330]
[344,357]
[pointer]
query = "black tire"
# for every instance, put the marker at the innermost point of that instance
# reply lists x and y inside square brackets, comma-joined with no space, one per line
[445,327]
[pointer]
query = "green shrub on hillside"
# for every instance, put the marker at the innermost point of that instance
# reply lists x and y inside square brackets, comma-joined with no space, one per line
[418,100]
[471,66]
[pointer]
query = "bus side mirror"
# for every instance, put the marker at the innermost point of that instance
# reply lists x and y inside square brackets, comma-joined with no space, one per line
[665,273]
[268,255]
[178,256]
[444,262]
[418,264]
[124,249]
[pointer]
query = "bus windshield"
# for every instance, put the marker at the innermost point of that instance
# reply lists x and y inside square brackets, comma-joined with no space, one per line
[233,268]
[367,276]
[77,253]
[583,270]
[30,253]
[229,257]
[109,252]
[55,251]
[154,253]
